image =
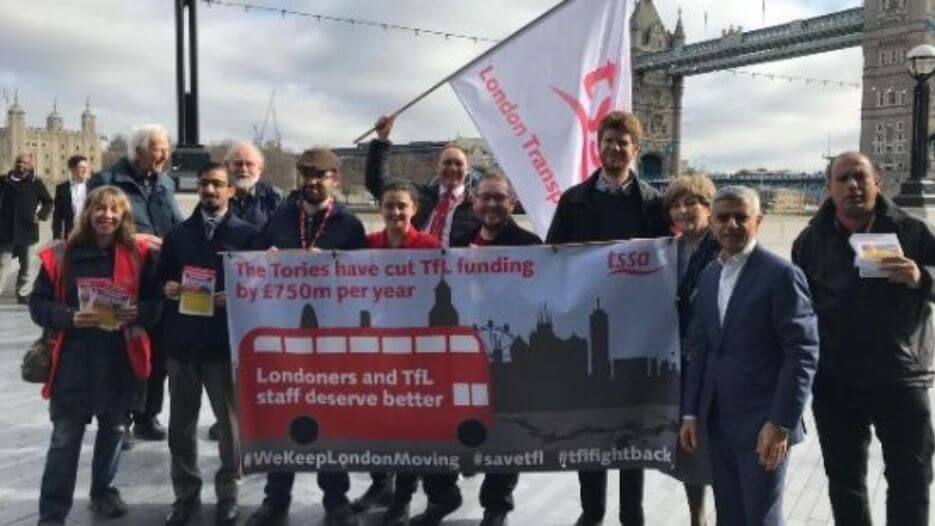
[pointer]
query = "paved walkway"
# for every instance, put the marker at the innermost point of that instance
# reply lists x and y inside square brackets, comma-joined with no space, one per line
[542,499]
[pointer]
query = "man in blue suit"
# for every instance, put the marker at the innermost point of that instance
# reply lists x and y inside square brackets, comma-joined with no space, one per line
[754,345]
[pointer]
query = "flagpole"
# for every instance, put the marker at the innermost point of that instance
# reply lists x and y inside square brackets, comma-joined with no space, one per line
[460,70]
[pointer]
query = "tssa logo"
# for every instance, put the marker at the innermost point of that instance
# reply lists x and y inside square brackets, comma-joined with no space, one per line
[636,262]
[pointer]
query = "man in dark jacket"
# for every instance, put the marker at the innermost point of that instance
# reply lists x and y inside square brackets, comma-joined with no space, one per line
[256,199]
[310,219]
[70,196]
[876,346]
[444,207]
[197,344]
[142,176]
[612,204]
[493,201]
[24,201]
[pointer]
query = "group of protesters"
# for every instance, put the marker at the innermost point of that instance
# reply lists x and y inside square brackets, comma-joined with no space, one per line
[760,335]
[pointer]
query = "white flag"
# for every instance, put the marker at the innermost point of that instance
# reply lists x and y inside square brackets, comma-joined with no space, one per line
[537,97]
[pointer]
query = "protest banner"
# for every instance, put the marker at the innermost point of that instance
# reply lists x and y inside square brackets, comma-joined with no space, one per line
[515,358]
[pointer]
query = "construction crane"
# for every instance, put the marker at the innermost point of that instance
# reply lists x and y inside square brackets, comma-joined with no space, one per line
[259,134]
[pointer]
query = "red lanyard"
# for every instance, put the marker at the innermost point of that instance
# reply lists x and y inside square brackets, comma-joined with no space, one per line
[329,211]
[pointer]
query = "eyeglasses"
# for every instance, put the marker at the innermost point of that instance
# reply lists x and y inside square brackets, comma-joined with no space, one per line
[309,172]
[496,198]
[205,183]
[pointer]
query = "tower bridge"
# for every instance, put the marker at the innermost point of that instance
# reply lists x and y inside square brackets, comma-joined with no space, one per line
[885,29]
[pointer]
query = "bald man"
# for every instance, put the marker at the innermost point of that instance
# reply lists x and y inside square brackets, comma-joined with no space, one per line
[876,346]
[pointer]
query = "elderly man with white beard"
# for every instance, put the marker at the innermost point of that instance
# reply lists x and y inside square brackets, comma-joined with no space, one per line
[255,199]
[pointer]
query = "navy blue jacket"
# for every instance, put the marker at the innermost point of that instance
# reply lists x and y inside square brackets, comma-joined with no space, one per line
[343,231]
[257,207]
[154,207]
[194,338]
[759,365]
[575,221]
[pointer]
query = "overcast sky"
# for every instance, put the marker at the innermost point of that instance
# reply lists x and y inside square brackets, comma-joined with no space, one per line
[333,80]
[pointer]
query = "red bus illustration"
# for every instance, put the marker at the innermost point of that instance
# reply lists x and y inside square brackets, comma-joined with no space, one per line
[370,383]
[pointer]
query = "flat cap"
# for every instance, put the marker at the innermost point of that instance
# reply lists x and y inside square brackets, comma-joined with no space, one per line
[321,159]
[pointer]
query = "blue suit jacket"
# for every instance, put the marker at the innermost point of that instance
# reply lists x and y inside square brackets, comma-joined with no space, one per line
[759,365]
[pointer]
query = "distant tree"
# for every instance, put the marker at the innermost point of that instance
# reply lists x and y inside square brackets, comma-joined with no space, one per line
[116,148]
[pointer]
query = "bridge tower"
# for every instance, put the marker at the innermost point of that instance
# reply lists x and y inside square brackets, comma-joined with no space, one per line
[657,95]
[891,29]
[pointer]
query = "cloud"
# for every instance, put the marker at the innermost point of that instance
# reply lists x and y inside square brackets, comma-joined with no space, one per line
[333,80]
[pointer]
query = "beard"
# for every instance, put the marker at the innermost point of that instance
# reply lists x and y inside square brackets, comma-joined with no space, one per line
[246,183]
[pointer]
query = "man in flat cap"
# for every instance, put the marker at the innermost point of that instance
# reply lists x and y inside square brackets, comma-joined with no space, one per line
[308,220]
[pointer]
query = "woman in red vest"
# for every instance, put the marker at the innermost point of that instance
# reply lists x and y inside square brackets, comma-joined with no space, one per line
[398,205]
[90,295]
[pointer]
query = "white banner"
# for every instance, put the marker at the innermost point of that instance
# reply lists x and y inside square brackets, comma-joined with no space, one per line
[539,96]
[359,360]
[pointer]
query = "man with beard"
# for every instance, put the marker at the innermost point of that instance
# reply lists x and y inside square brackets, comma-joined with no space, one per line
[142,177]
[612,204]
[198,345]
[255,199]
[24,201]
[876,346]
[310,220]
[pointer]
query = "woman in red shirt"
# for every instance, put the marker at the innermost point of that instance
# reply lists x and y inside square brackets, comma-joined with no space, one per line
[398,205]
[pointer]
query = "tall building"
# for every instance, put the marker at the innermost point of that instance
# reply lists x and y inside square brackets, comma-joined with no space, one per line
[443,313]
[891,29]
[51,145]
[600,346]
[657,96]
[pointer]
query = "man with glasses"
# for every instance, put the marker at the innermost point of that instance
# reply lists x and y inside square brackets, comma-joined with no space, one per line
[311,220]
[198,345]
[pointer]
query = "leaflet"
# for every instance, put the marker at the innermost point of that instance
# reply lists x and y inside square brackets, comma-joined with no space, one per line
[104,297]
[197,295]
[871,249]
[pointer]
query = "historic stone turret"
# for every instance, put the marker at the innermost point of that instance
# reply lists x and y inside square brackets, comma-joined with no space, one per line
[657,96]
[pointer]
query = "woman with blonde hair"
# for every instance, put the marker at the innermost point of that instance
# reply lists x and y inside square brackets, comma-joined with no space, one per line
[688,203]
[91,295]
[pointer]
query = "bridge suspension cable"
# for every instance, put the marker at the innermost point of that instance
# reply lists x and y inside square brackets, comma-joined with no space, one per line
[452,35]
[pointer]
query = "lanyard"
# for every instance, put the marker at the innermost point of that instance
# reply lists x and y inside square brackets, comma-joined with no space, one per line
[306,243]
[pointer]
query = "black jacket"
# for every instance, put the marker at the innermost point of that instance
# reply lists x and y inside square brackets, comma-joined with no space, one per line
[575,221]
[94,373]
[155,209]
[194,338]
[23,204]
[257,207]
[872,332]
[512,235]
[63,215]
[342,232]
[377,174]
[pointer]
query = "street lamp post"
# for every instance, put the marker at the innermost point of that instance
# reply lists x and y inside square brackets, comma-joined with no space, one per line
[921,68]
[919,191]
[189,155]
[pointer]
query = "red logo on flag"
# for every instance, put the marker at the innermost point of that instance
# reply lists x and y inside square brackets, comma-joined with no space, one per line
[590,159]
